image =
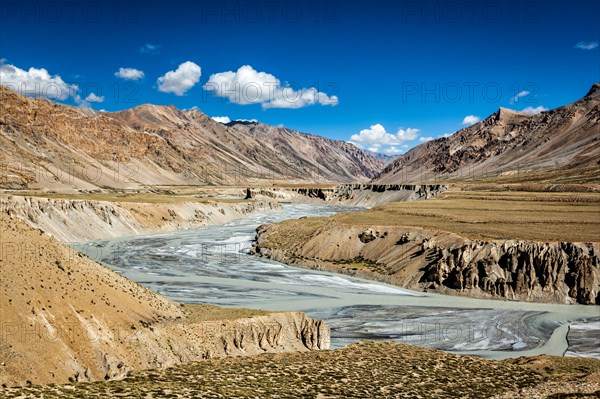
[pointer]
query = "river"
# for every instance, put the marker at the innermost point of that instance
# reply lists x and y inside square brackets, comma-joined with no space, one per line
[211,265]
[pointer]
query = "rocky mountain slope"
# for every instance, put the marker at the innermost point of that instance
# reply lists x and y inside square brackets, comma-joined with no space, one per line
[508,143]
[53,146]
[320,158]
[67,318]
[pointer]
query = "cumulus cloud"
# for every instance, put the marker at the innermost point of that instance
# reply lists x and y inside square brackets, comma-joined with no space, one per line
[425,139]
[470,119]
[93,98]
[392,151]
[149,48]
[532,110]
[519,95]
[221,119]
[180,80]
[376,137]
[129,74]
[35,82]
[586,45]
[248,86]
[39,83]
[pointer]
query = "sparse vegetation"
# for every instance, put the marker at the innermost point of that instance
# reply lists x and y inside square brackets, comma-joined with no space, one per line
[362,370]
[538,216]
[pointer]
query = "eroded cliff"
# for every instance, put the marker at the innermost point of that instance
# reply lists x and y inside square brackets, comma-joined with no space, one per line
[561,272]
[365,195]
[84,220]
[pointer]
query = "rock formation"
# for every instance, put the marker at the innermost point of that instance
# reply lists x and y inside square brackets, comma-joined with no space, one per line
[85,220]
[366,195]
[419,259]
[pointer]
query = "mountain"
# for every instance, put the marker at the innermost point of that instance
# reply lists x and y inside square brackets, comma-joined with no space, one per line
[54,146]
[508,143]
[382,157]
[318,156]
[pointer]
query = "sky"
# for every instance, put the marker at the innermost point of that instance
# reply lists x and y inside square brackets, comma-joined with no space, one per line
[383,75]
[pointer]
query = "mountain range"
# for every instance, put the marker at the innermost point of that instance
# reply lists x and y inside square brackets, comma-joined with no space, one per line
[51,146]
[508,143]
[54,146]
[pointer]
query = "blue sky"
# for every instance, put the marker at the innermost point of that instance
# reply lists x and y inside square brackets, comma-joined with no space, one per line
[399,72]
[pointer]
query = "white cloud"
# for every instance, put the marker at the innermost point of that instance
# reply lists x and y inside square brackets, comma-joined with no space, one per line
[180,80]
[519,95]
[532,110]
[447,134]
[586,45]
[129,74]
[149,48]
[470,119]
[221,119]
[377,134]
[425,139]
[35,82]
[392,151]
[93,98]
[247,120]
[373,148]
[248,86]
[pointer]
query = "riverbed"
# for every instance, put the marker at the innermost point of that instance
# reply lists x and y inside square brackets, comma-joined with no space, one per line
[211,265]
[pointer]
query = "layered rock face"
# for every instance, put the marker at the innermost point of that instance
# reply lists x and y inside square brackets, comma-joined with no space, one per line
[419,259]
[516,270]
[83,220]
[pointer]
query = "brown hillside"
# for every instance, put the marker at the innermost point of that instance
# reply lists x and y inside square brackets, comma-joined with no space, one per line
[53,146]
[509,143]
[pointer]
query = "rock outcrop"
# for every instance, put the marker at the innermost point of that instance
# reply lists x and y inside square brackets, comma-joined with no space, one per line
[516,269]
[366,195]
[559,272]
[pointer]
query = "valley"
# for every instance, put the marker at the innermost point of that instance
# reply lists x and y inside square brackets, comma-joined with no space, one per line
[183,266]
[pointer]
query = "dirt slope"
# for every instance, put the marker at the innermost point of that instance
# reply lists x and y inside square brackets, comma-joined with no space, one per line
[65,317]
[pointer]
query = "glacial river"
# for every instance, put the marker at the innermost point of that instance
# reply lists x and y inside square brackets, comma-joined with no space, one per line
[211,265]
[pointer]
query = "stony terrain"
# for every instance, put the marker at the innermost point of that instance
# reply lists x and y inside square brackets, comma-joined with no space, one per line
[67,318]
[361,370]
[51,146]
[520,246]
[507,144]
